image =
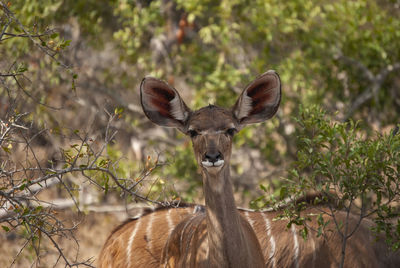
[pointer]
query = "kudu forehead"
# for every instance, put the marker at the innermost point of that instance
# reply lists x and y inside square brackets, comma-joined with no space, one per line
[212,118]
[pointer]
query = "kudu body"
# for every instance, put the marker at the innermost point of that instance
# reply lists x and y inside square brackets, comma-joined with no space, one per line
[218,234]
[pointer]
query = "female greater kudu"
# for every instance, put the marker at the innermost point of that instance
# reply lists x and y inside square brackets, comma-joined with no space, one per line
[219,234]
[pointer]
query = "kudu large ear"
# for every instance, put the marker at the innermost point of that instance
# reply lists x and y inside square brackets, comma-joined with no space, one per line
[260,100]
[162,104]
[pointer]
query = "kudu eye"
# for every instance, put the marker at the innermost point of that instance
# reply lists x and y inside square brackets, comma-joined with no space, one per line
[231,131]
[193,133]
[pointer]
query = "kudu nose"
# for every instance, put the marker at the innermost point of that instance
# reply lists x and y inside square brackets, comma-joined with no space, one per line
[213,156]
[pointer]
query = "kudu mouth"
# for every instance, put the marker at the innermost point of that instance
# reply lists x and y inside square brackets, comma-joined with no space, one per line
[213,159]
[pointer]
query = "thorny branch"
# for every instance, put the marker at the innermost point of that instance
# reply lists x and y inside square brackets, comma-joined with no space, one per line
[20,204]
[45,49]
[15,72]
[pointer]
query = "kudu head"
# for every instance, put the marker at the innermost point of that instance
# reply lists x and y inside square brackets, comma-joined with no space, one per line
[211,128]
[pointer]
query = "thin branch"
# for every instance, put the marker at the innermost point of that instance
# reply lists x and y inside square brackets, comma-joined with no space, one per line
[10,35]
[5,26]
[375,81]
[31,37]
[358,64]
[10,75]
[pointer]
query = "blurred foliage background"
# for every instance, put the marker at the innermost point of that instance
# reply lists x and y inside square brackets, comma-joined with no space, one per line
[343,55]
[69,64]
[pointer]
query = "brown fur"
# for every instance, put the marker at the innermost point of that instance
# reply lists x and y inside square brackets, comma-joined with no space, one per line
[220,237]
[114,252]
[362,249]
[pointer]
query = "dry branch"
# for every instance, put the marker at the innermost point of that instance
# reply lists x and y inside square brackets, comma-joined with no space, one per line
[375,82]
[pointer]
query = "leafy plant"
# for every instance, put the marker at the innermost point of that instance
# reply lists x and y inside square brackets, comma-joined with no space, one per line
[351,172]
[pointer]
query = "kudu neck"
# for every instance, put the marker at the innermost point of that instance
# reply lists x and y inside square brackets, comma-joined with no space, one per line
[218,190]
[225,235]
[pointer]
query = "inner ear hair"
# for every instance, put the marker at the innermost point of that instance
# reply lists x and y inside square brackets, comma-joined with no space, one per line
[260,100]
[162,104]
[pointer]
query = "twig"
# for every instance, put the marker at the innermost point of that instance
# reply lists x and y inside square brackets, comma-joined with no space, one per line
[31,37]
[375,82]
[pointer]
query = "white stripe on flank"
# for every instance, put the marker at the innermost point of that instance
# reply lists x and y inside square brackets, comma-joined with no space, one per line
[271,239]
[189,211]
[314,253]
[197,208]
[130,242]
[296,247]
[149,230]
[184,227]
[249,219]
[169,221]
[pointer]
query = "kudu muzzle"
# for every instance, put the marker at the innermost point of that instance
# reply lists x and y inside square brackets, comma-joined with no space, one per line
[212,156]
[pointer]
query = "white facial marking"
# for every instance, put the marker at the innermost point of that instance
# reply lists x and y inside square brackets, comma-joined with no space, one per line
[212,131]
[219,163]
[207,163]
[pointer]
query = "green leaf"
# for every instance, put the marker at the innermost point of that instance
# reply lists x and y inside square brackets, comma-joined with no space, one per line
[6,149]
[65,44]
[119,110]
[283,192]
[22,69]
[304,233]
[263,188]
